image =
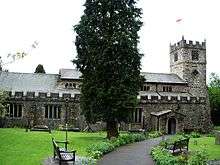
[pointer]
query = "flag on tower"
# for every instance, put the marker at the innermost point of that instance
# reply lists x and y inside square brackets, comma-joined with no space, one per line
[179,20]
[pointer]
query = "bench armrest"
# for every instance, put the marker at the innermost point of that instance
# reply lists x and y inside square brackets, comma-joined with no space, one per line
[68,151]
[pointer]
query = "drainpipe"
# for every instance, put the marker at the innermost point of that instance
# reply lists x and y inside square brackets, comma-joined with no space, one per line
[158,123]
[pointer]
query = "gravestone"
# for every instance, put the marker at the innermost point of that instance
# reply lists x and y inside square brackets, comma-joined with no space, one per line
[217,137]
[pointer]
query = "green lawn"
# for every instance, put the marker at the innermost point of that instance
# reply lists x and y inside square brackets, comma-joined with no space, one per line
[30,148]
[208,144]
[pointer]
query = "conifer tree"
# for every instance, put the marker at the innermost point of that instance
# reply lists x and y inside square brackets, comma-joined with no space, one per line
[109,60]
[40,69]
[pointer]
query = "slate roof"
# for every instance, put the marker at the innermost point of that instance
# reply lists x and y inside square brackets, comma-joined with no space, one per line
[31,82]
[34,82]
[69,74]
[162,78]
[150,77]
[160,113]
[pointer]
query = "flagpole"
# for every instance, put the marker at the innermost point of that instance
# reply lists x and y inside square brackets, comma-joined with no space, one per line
[179,28]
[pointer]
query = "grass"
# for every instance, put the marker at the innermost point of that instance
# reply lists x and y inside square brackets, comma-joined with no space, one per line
[208,144]
[30,148]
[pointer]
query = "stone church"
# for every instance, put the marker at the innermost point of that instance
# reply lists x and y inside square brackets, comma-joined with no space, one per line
[169,103]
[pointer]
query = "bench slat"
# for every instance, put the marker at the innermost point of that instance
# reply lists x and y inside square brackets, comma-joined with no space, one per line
[62,153]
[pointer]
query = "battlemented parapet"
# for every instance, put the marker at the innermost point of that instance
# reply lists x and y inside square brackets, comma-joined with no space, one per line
[187,44]
[171,99]
[43,95]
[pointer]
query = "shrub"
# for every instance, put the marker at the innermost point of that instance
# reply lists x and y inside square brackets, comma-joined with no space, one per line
[211,134]
[183,159]
[195,135]
[199,157]
[103,148]
[155,134]
[162,157]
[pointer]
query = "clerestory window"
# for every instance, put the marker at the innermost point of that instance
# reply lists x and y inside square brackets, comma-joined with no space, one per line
[167,89]
[146,88]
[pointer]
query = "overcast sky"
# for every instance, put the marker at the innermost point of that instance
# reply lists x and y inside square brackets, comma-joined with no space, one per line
[49,22]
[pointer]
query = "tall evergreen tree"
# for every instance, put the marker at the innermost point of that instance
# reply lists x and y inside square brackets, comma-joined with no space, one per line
[40,69]
[109,60]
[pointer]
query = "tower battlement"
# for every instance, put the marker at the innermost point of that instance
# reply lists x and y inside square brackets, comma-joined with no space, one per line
[188,61]
[187,44]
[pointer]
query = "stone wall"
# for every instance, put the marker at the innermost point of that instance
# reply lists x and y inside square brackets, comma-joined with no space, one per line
[33,111]
[196,111]
[196,115]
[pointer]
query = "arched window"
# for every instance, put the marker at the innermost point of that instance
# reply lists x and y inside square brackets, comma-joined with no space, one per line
[175,57]
[66,85]
[74,85]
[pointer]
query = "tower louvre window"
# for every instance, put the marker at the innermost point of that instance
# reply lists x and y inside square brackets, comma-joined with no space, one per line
[175,57]
[195,55]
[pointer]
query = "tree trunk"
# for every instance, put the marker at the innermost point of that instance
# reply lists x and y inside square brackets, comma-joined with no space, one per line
[112,129]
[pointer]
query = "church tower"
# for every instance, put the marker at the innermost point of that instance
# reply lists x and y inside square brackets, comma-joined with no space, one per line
[188,61]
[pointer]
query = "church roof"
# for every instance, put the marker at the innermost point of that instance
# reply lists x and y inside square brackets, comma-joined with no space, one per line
[168,78]
[149,77]
[160,113]
[37,82]
[69,74]
[31,82]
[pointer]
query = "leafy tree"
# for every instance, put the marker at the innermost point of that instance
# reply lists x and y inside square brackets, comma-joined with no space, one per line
[3,97]
[214,97]
[40,69]
[109,60]
[0,63]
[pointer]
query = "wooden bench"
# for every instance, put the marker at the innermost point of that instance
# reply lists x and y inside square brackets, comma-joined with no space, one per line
[61,153]
[42,128]
[179,146]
